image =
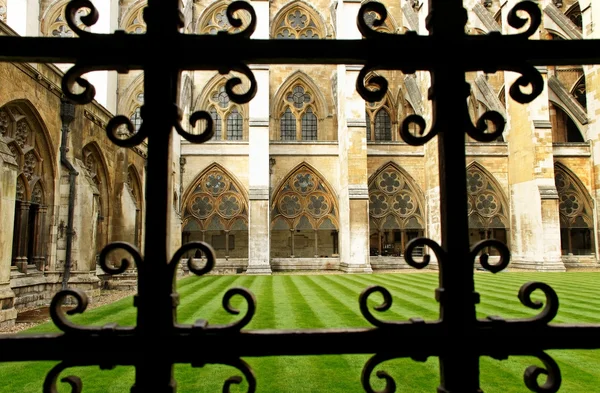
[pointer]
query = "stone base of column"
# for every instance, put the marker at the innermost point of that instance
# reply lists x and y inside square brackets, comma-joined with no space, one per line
[537,265]
[355,268]
[259,269]
[8,313]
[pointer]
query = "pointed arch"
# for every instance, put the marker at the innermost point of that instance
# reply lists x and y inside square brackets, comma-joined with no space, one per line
[575,207]
[213,19]
[489,215]
[381,117]
[53,23]
[24,132]
[304,215]
[231,119]
[132,20]
[97,169]
[215,202]
[298,20]
[396,210]
[299,108]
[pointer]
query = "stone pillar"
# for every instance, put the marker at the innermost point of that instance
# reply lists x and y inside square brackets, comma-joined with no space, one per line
[8,190]
[21,259]
[354,194]
[535,225]
[591,19]
[259,221]
[40,244]
[105,82]
[23,16]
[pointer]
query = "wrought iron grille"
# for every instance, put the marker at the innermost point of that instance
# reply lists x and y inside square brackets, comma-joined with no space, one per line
[157,300]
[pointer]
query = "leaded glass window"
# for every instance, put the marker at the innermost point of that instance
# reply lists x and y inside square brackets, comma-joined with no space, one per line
[309,126]
[228,117]
[383,126]
[288,126]
[216,123]
[136,119]
[234,126]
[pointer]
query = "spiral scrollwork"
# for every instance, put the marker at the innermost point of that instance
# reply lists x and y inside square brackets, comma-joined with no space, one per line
[236,379]
[553,379]
[530,76]
[133,138]
[384,306]
[73,77]
[88,20]
[534,18]
[52,377]
[379,84]
[129,248]
[205,248]
[237,22]
[365,378]
[420,242]
[250,300]
[239,98]
[57,314]
[205,135]
[419,139]
[479,133]
[484,259]
[363,27]
[551,308]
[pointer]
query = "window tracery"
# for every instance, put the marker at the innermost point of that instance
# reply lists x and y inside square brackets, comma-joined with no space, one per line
[304,208]
[216,211]
[226,115]
[395,211]
[19,129]
[3,11]
[215,20]
[298,120]
[135,22]
[298,22]
[575,210]
[54,23]
[487,207]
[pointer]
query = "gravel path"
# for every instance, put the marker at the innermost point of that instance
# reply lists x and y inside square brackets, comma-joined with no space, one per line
[106,297]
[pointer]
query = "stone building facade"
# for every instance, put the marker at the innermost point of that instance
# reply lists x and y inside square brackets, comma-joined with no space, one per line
[307,175]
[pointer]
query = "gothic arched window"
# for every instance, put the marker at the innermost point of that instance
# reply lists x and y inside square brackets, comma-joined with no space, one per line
[133,23]
[23,134]
[395,211]
[53,24]
[487,207]
[575,210]
[96,170]
[304,218]
[214,20]
[378,116]
[216,212]
[298,21]
[298,119]
[226,115]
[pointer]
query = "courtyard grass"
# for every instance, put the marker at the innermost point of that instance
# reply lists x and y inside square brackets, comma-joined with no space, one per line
[328,301]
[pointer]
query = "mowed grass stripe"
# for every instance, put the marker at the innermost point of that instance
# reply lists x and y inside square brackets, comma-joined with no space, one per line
[264,318]
[406,300]
[563,280]
[337,314]
[203,299]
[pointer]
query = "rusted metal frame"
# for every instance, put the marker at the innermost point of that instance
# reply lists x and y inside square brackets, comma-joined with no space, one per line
[132,51]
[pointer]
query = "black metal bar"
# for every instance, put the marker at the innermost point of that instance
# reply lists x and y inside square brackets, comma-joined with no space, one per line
[129,51]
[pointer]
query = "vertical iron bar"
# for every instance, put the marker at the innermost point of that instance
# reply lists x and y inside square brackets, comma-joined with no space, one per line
[459,367]
[156,308]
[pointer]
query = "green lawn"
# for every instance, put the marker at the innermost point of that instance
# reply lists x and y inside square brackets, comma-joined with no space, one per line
[324,301]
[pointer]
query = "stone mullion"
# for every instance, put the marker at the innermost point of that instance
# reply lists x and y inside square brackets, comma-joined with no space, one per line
[316,244]
[21,259]
[292,242]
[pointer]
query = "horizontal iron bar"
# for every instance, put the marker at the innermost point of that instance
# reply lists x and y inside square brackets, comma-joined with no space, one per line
[196,52]
[410,340]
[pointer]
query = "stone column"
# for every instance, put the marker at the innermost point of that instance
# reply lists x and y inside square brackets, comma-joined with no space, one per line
[535,225]
[40,242]
[591,19]
[23,16]
[8,190]
[21,259]
[105,82]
